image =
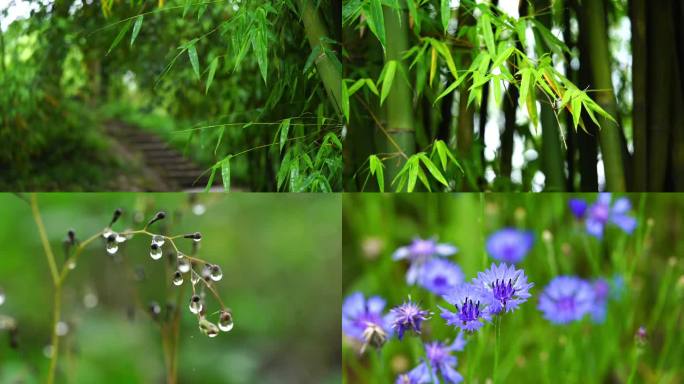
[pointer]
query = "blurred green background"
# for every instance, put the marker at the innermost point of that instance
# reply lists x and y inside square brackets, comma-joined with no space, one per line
[280,257]
[533,350]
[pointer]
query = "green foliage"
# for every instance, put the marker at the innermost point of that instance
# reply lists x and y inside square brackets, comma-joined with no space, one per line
[489,54]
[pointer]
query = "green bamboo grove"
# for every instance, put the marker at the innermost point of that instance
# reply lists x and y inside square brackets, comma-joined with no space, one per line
[426,82]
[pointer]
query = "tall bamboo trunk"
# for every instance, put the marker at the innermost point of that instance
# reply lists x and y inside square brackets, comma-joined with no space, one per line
[465,124]
[399,121]
[552,150]
[639,81]
[330,74]
[593,19]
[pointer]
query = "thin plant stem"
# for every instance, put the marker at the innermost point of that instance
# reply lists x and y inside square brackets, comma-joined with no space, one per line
[497,341]
[44,240]
[635,363]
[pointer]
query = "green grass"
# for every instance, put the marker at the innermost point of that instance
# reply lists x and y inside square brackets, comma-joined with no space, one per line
[532,349]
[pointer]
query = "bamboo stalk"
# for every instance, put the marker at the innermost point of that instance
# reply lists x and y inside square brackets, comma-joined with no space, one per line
[639,80]
[399,109]
[593,18]
[329,73]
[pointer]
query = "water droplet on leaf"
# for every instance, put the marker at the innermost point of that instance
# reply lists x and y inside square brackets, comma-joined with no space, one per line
[155,252]
[158,239]
[225,321]
[195,304]
[216,273]
[177,278]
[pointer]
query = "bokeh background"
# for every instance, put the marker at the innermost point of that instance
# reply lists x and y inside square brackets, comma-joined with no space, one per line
[281,261]
[648,262]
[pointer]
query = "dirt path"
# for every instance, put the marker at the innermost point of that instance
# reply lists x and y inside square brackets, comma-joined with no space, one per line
[162,167]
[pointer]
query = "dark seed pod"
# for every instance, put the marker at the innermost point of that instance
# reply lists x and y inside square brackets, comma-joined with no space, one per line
[195,236]
[159,216]
[115,217]
[71,235]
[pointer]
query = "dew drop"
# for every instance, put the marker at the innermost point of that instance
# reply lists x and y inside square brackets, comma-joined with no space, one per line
[194,277]
[195,304]
[120,238]
[107,232]
[177,278]
[158,239]
[2,296]
[71,264]
[225,321]
[112,247]
[199,209]
[61,328]
[155,251]
[183,263]
[216,273]
[206,271]
[90,300]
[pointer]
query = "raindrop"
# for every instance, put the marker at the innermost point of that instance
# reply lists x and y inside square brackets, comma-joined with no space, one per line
[208,328]
[90,300]
[155,251]
[71,264]
[194,277]
[177,278]
[2,296]
[155,309]
[216,273]
[225,321]
[195,304]
[61,328]
[120,238]
[107,232]
[199,209]
[183,263]
[112,247]
[158,239]
[206,271]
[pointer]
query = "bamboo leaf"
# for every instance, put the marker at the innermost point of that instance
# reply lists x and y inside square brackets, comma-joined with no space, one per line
[525,85]
[445,11]
[356,86]
[376,168]
[413,12]
[136,28]
[376,21]
[119,36]
[225,173]
[450,88]
[413,173]
[433,65]
[212,72]
[576,111]
[284,130]
[218,142]
[388,79]
[423,179]
[194,60]
[442,150]
[211,178]
[432,168]
[487,33]
[259,44]
[372,86]
[345,100]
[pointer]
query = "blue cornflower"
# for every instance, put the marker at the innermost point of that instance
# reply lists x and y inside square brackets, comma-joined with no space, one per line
[441,276]
[418,253]
[507,285]
[578,207]
[472,307]
[602,212]
[442,364]
[364,321]
[566,299]
[408,317]
[510,245]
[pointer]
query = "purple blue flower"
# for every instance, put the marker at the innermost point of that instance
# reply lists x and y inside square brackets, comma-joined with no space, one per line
[578,207]
[442,366]
[599,214]
[472,307]
[441,276]
[363,320]
[510,245]
[418,253]
[408,317]
[566,299]
[507,285]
